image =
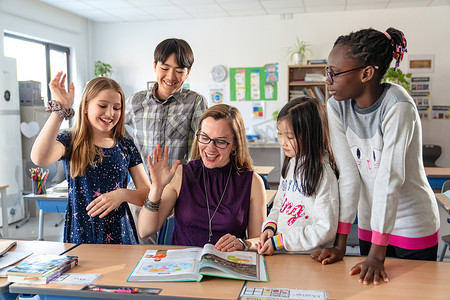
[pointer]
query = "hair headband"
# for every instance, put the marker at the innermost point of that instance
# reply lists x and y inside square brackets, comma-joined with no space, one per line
[387,35]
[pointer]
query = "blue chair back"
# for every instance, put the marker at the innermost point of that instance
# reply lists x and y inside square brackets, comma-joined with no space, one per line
[165,233]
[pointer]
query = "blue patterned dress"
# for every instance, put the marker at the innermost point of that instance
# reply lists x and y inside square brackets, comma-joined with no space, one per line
[118,226]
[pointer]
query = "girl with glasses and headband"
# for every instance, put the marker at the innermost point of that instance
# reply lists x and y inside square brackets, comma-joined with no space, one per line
[376,136]
[216,197]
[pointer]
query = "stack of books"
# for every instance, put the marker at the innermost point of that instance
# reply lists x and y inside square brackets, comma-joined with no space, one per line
[41,269]
[315,77]
[295,94]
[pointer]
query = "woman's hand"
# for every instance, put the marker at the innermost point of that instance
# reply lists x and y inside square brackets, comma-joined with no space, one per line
[105,203]
[59,93]
[229,243]
[160,173]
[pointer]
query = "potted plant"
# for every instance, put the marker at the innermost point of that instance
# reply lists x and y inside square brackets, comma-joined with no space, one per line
[298,53]
[398,77]
[102,69]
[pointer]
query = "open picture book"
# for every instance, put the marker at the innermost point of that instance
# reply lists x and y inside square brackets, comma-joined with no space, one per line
[191,264]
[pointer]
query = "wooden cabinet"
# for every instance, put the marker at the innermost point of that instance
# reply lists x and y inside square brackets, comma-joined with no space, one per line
[308,80]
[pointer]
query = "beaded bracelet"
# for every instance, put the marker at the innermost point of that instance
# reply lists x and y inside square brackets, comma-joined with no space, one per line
[152,206]
[64,113]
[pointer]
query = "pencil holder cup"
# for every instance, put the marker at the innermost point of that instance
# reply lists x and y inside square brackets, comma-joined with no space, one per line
[38,186]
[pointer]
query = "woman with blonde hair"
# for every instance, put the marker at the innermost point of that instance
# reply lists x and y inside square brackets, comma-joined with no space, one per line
[97,159]
[216,197]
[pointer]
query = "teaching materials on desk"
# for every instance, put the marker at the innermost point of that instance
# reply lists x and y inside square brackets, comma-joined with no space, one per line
[191,264]
[260,293]
[10,258]
[77,278]
[61,187]
[39,178]
[121,289]
[447,194]
[41,269]
[5,245]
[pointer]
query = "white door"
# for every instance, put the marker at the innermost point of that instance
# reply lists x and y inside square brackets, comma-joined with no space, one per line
[11,172]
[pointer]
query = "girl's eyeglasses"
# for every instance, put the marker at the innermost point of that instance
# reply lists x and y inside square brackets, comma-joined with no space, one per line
[204,139]
[331,76]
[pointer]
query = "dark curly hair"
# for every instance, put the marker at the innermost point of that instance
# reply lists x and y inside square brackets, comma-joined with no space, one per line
[370,47]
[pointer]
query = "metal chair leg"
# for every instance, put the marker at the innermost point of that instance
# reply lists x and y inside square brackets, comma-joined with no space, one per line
[444,248]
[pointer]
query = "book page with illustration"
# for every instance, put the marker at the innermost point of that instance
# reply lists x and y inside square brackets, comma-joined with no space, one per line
[167,265]
[237,264]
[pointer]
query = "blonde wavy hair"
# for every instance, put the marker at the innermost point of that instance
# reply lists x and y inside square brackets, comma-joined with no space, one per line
[84,151]
[242,160]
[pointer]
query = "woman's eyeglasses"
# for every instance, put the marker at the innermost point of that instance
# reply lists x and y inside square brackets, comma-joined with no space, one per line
[204,139]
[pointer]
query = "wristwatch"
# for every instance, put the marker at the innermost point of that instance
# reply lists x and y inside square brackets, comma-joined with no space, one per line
[243,243]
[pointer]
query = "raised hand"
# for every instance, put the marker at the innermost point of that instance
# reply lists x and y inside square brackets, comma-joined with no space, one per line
[58,90]
[160,173]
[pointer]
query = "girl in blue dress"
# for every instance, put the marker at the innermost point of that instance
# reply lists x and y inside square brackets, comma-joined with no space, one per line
[97,159]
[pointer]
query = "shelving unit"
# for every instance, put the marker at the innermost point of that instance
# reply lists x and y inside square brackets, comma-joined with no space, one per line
[298,84]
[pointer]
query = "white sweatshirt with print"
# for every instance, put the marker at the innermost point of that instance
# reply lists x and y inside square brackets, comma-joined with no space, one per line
[301,223]
[378,151]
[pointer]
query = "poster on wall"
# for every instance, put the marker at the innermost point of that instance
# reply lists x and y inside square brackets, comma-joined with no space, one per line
[250,84]
[216,93]
[271,71]
[440,112]
[421,63]
[424,111]
[239,85]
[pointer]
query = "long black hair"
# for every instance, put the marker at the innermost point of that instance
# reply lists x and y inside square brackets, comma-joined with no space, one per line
[370,47]
[310,125]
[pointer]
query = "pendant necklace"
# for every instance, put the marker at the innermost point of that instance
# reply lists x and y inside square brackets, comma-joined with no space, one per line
[210,218]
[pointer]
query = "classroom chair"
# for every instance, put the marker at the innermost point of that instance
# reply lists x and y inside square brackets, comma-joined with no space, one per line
[267,187]
[352,238]
[165,233]
[430,154]
[445,238]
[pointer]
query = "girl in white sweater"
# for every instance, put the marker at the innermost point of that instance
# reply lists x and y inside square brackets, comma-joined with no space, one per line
[377,139]
[304,216]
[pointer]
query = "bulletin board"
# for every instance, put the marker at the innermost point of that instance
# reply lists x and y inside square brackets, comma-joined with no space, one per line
[250,84]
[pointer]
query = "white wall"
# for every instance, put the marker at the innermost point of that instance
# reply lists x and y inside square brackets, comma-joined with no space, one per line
[255,41]
[34,19]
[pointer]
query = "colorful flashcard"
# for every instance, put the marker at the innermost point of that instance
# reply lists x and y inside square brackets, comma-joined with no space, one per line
[258,110]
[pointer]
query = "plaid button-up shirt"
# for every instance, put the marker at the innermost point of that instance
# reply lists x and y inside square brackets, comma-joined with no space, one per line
[172,122]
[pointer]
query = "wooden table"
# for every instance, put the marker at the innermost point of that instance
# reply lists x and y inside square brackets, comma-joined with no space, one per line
[270,195]
[408,279]
[443,201]
[264,170]
[437,176]
[37,248]
[116,262]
